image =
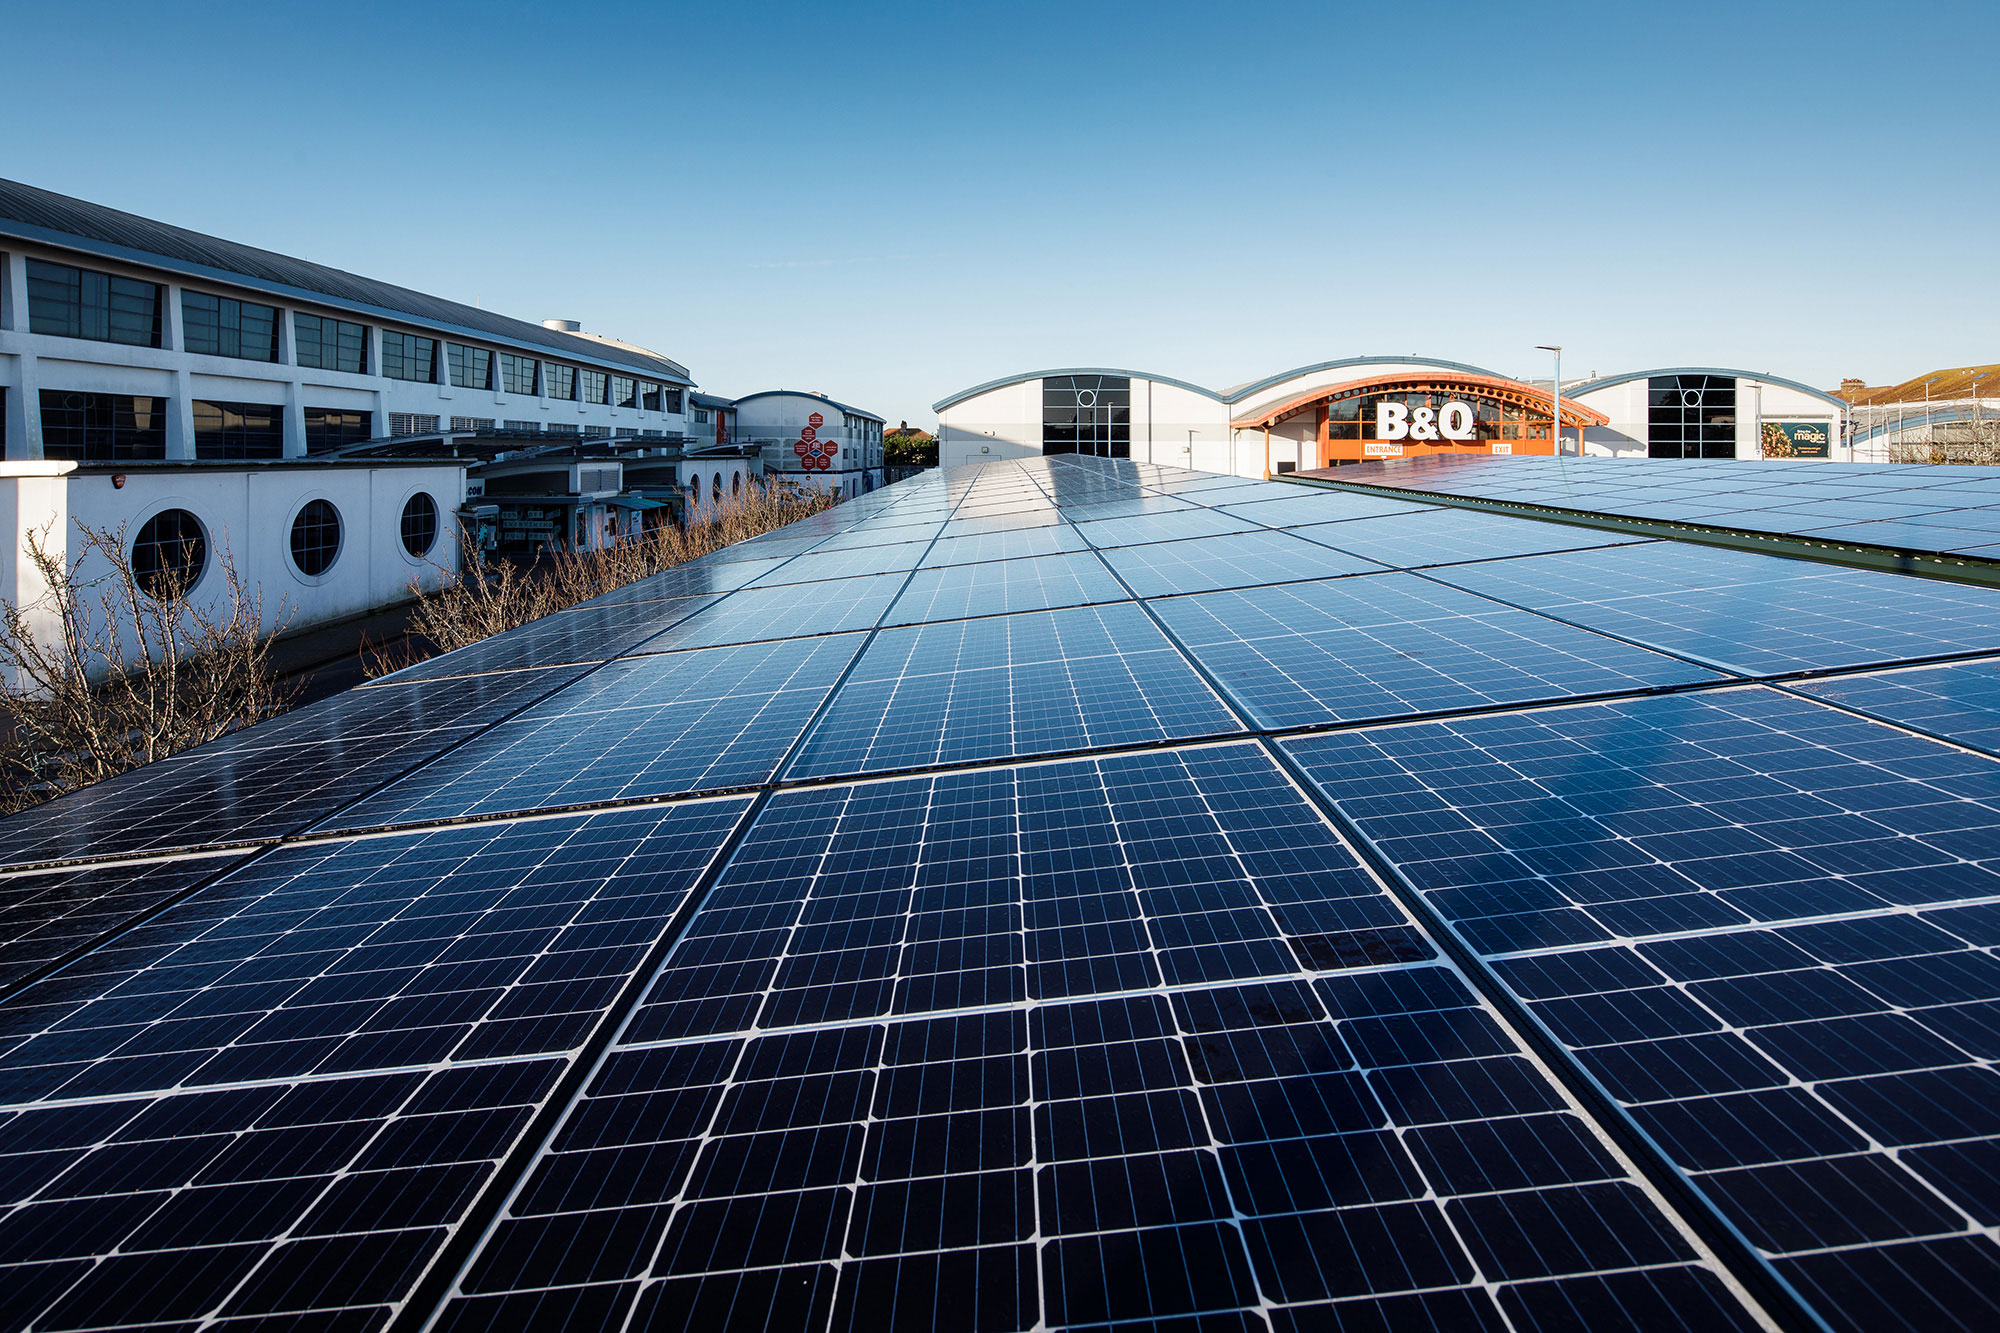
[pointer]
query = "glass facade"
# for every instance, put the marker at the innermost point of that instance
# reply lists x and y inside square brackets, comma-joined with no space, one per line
[82,303]
[471,367]
[330,428]
[330,344]
[420,524]
[624,391]
[560,380]
[595,383]
[1691,416]
[1087,414]
[226,432]
[102,427]
[1493,418]
[224,326]
[405,356]
[517,373]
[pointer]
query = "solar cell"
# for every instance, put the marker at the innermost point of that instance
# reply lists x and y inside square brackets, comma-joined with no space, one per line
[48,914]
[788,611]
[1959,701]
[1244,559]
[1035,683]
[1762,926]
[1316,506]
[581,634]
[1453,536]
[1032,583]
[982,547]
[809,1115]
[1755,614]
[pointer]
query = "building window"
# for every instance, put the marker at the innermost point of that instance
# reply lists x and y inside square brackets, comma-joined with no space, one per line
[560,381]
[1087,414]
[169,554]
[594,382]
[561,428]
[694,490]
[102,427]
[83,303]
[1691,416]
[316,538]
[330,344]
[736,483]
[624,391]
[412,423]
[517,373]
[473,423]
[224,326]
[330,428]
[649,396]
[701,416]
[471,367]
[597,432]
[233,431]
[405,356]
[670,402]
[420,524]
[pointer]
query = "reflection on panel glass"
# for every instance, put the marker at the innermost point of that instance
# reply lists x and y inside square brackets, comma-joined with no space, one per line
[231,431]
[102,427]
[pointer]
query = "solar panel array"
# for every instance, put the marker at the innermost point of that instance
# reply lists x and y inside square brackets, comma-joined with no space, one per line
[1057,894]
[1927,510]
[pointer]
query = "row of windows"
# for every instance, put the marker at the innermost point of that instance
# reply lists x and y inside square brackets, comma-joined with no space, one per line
[108,428]
[1087,414]
[170,554]
[1691,416]
[82,303]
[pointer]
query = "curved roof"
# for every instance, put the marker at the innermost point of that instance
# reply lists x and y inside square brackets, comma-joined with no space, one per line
[816,397]
[1592,386]
[1242,391]
[1006,380]
[1234,395]
[1574,413]
[77,224]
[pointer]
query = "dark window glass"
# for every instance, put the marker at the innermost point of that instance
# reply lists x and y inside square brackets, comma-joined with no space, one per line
[83,303]
[624,391]
[224,326]
[107,427]
[1087,414]
[649,395]
[1691,416]
[420,524]
[170,553]
[229,431]
[405,356]
[471,367]
[715,487]
[594,383]
[672,401]
[560,380]
[331,344]
[517,373]
[316,537]
[330,428]
[736,483]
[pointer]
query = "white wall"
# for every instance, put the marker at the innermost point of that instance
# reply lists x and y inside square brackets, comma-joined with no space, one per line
[1627,434]
[248,512]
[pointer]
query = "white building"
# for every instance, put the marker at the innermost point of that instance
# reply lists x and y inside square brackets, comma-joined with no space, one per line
[1361,408]
[808,437]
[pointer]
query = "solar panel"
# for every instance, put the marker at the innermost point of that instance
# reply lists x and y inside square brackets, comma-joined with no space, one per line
[1392,645]
[1036,683]
[1748,613]
[1757,922]
[1041,1028]
[1012,980]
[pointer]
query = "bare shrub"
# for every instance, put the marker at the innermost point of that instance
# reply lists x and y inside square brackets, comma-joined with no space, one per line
[124,672]
[480,600]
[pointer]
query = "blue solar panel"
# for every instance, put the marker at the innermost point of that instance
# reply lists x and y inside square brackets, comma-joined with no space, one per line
[661,725]
[754,614]
[837,1099]
[1036,683]
[1750,613]
[1240,560]
[1392,645]
[982,547]
[1761,925]
[1453,536]
[1033,583]
[1959,701]
[47,915]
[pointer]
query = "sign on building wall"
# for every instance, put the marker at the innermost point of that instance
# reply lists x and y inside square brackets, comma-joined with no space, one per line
[1798,439]
[814,452]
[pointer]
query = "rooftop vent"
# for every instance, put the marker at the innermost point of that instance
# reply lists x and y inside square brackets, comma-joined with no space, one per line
[563,325]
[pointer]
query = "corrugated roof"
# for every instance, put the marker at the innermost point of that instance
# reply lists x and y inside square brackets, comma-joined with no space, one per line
[43,215]
[1944,385]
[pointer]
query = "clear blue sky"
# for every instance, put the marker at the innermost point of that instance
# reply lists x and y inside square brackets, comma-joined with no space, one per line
[890,202]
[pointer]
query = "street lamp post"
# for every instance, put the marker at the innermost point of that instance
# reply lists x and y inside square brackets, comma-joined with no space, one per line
[1556,395]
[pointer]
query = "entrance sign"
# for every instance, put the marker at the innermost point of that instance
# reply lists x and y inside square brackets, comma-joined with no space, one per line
[1396,421]
[1797,439]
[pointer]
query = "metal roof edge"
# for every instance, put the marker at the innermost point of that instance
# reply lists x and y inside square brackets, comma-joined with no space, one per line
[1608,381]
[1006,380]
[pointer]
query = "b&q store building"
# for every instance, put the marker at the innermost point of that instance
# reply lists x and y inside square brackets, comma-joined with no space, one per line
[1385,407]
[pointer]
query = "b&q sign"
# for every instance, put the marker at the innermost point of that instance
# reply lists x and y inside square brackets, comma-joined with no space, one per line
[1398,421]
[814,453]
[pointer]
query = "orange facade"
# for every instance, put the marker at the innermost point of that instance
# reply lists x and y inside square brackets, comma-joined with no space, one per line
[1408,415]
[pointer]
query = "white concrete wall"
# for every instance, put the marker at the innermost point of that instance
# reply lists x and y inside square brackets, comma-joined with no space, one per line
[247,512]
[1627,434]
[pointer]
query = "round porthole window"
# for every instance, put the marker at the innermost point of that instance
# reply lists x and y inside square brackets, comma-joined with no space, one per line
[420,524]
[170,553]
[316,538]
